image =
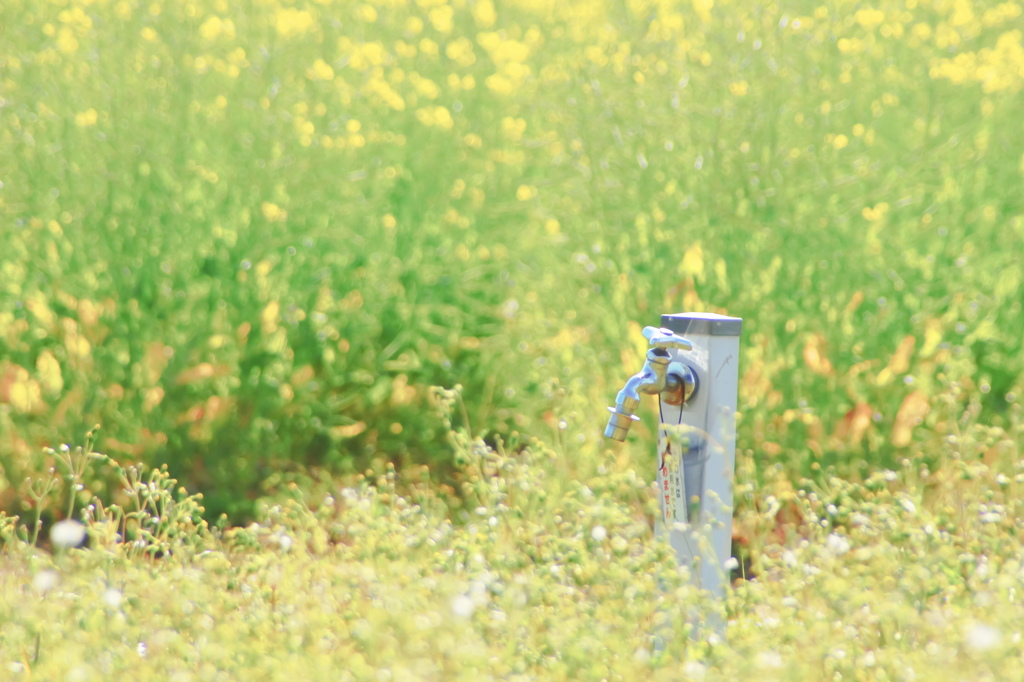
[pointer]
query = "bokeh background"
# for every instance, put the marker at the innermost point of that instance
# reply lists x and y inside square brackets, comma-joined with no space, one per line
[248,237]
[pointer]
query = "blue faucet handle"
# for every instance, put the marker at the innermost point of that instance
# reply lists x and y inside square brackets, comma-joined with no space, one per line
[659,337]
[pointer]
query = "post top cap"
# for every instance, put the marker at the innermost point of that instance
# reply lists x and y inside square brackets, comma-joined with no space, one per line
[710,324]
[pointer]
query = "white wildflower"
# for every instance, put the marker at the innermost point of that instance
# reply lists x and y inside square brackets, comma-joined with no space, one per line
[284,541]
[693,670]
[982,637]
[67,533]
[837,544]
[44,581]
[463,606]
[112,597]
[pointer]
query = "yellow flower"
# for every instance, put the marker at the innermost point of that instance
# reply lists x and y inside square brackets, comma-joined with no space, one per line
[215,27]
[484,14]
[291,22]
[424,86]
[499,84]
[66,41]
[876,213]
[86,118]
[367,13]
[703,8]
[435,116]
[320,71]
[414,25]
[363,55]
[513,128]
[526,192]
[869,18]
[273,212]
[152,397]
[49,372]
[428,47]
[460,51]
[270,317]
[692,264]
[441,18]
[850,45]
[443,118]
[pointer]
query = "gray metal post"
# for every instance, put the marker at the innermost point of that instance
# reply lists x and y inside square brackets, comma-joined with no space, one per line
[697,448]
[693,367]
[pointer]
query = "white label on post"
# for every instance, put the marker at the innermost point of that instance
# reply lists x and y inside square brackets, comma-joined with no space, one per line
[682,463]
[669,481]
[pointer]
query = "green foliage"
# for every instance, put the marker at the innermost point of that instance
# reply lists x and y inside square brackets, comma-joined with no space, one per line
[247,239]
[152,515]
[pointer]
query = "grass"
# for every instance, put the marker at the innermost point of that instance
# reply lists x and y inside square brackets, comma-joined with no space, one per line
[249,239]
[909,573]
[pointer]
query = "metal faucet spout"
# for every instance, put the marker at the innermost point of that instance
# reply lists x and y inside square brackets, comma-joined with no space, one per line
[623,414]
[652,379]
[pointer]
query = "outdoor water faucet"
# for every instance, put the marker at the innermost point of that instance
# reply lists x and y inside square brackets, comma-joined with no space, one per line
[692,366]
[677,381]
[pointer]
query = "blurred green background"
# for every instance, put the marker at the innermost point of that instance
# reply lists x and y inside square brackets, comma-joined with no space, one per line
[247,238]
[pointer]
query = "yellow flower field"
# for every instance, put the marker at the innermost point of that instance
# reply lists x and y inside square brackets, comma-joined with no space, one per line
[249,238]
